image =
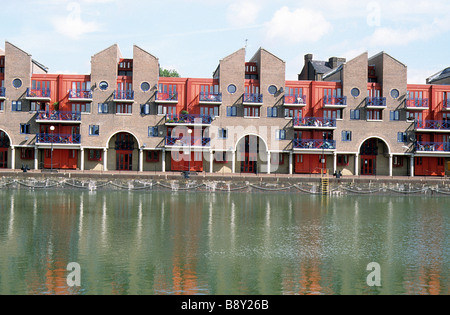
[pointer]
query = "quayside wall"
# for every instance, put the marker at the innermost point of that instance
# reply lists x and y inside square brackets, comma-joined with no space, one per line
[208,183]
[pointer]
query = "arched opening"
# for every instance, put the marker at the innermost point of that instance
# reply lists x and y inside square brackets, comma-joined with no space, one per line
[5,144]
[251,154]
[125,147]
[374,157]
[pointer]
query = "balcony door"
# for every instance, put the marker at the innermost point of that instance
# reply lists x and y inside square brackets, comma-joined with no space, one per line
[124,160]
[368,165]
[3,158]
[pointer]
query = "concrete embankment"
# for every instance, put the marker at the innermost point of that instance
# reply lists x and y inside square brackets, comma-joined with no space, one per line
[203,182]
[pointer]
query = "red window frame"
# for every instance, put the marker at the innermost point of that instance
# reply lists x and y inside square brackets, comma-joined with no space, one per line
[95,155]
[343,160]
[27,154]
[152,156]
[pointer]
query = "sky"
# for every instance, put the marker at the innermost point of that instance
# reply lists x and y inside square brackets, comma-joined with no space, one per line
[192,36]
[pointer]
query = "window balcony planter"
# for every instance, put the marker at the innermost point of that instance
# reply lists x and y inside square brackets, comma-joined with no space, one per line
[335,101]
[417,104]
[186,120]
[38,95]
[314,123]
[80,95]
[210,98]
[166,98]
[252,99]
[295,100]
[124,96]
[376,102]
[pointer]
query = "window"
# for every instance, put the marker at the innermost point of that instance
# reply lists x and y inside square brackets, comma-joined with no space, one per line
[441,161]
[273,89]
[374,114]
[145,109]
[333,114]
[355,92]
[402,137]
[355,114]
[152,156]
[221,157]
[251,111]
[27,154]
[95,155]
[145,86]
[223,133]
[277,159]
[16,106]
[25,129]
[342,160]
[167,110]
[124,108]
[232,89]
[395,115]
[17,83]
[153,132]
[81,108]
[395,93]
[94,130]
[280,135]
[397,161]
[2,106]
[293,113]
[211,111]
[231,111]
[346,136]
[103,108]
[272,112]
[103,85]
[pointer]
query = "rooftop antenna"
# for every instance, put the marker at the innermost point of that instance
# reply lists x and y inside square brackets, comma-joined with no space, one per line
[246,44]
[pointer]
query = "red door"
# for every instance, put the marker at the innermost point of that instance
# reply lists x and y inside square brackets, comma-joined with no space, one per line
[368,165]
[249,164]
[3,158]
[62,159]
[124,160]
[181,162]
[308,163]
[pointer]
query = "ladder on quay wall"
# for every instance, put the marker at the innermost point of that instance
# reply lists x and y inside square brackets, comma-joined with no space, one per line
[325,183]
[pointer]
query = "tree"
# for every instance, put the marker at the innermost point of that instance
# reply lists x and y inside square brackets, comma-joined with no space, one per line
[168,73]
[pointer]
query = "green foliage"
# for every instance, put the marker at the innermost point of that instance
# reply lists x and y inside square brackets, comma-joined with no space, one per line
[168,73]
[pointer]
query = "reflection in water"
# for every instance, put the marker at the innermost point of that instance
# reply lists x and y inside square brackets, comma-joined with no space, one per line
[181,243]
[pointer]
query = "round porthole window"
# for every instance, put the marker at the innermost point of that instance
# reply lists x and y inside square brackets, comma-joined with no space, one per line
[232,89]
[273,89]
[145,86]
[355,92]
[103,85]
[17,83]
[395,93]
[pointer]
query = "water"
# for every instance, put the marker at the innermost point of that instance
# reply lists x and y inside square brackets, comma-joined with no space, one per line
[221,244]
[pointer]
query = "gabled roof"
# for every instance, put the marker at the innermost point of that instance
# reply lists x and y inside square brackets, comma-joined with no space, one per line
[439,76]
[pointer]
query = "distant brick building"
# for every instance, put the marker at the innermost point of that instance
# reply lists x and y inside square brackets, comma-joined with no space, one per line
[359,117]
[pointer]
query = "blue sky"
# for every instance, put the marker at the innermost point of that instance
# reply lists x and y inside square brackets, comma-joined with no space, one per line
[191,36]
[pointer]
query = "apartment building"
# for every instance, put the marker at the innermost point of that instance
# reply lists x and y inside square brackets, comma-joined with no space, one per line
[358,117]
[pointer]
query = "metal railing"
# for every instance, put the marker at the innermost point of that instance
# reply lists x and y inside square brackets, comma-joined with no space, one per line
[80,94]
[335,100]
[195,141]
[189,119]
[295,99]
[417,103]
[314,144]
[58,138]
[433,124]
[252,98]
[210,97]
[376,101]
[58,115]
[315,122]
[127,95]
[433,146]
[164,96]
[43,93]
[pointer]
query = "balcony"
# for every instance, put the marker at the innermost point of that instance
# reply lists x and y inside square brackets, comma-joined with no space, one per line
[38,95]
[295,100]
[80,95]
[417,104]
[433,147]
[315,123]
[446,104]
[2,93]
[314,144]
[433,125]
[44,138]
[124,96]
[335,101]
[166,98]
[195,142]
[210,98]
[58,117]
[376,102]
[186,120]
[252,99]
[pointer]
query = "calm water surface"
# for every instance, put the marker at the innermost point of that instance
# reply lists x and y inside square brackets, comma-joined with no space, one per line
[201,243]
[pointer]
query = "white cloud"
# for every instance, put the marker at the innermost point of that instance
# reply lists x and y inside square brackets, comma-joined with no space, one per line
[72,25]
[243,13]
[298,25]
